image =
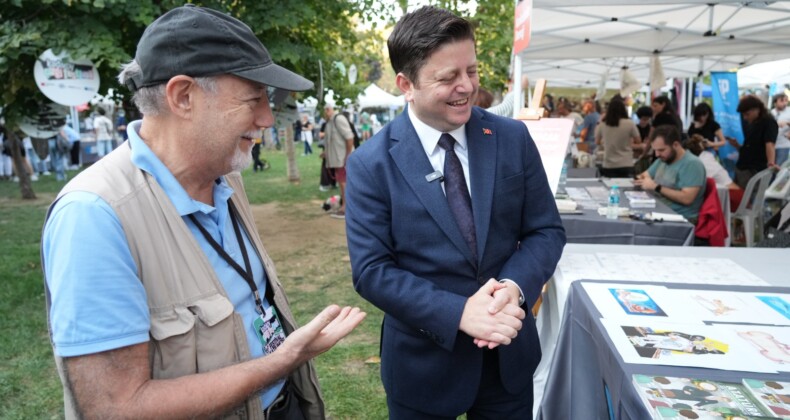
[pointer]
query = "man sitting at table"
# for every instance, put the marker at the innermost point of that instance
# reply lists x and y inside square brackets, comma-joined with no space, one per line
[676,176]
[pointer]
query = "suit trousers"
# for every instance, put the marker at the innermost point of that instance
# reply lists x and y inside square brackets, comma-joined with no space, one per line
[492,402]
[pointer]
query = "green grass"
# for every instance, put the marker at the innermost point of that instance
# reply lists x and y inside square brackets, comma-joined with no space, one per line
[29,384]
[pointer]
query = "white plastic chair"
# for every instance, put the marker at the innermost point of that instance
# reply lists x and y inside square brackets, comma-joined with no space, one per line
[750,211]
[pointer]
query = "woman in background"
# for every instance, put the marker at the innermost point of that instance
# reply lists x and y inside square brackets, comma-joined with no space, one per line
[706,126]
[619,137]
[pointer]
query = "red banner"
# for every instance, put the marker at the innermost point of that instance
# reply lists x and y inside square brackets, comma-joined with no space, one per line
[523,25]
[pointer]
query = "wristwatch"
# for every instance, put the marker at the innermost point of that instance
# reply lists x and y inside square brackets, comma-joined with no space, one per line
[658,189]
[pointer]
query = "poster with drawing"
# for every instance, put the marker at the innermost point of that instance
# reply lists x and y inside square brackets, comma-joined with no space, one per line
[661,343]
[771,343]
[722,306]
[778,303]
[621,301]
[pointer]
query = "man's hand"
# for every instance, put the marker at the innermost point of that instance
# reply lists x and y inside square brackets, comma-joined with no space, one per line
[323,332]
[646,183]
[487,328]
[734,143]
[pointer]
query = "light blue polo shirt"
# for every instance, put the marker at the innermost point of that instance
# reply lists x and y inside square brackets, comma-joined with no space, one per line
[98,302]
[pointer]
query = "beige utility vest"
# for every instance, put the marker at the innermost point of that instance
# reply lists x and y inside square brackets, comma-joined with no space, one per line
[194,327]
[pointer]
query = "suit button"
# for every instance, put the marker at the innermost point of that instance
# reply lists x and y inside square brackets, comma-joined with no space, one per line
[481,280]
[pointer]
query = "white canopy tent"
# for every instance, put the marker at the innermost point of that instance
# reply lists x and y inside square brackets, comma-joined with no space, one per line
[577,42]
[375,97]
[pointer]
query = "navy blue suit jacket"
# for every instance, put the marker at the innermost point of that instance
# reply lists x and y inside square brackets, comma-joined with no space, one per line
[409,258]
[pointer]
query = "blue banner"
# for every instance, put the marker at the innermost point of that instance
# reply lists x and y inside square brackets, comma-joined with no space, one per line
[725,109]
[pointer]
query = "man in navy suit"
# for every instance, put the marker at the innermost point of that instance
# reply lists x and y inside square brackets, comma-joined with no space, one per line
[457,335]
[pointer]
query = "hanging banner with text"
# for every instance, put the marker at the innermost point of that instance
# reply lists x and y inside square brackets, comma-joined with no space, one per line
[724,90]
[523,26]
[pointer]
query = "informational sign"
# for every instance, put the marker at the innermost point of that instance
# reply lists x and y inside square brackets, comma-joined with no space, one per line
[551,136]
[66,81]
[46,123]
[724,89]
[352,74]
[523,26]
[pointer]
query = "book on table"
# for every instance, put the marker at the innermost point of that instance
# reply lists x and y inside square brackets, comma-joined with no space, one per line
[640,199]
[667,397]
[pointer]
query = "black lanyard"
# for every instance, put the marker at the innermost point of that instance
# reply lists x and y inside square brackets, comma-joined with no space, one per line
[245,274]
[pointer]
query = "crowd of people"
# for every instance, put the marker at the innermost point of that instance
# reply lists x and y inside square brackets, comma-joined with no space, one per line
[64,150]
[626,145]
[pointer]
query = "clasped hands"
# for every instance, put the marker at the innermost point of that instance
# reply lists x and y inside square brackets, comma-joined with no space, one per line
[492,315]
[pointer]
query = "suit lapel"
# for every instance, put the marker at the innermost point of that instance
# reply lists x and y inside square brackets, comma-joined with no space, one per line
[482,144]
[409,157]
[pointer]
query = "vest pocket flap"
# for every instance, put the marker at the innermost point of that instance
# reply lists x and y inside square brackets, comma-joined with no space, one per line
[180,319]
[212,309]
[170,323]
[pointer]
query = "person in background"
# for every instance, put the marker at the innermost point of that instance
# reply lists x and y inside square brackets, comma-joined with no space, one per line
[339,143]
[759,132]
[678,177]
[35,162]
[120,126]
[643,114]
[307,135]
[664,114]
[102,126]
[713,169]
[452,231]
[484,98]
[257,164]
[705,125]
[781,114]
[620,138]
[587,131]
[169,305]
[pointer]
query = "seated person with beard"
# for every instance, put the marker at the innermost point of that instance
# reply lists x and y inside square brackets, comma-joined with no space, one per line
[676,176]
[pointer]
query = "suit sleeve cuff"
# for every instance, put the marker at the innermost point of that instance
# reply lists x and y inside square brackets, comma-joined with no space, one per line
[520,292]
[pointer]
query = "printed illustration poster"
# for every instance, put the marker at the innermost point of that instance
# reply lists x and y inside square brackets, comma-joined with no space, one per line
[779,303]
[707,346]
[723,306]
[693,398]
[771,343]
[621,301]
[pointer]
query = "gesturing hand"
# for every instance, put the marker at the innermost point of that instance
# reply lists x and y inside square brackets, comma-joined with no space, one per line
[323,332]
[487,328]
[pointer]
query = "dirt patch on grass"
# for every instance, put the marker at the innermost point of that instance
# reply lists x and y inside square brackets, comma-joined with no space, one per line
[304,242]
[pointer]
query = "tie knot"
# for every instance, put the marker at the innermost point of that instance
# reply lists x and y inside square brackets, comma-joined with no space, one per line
[447,142]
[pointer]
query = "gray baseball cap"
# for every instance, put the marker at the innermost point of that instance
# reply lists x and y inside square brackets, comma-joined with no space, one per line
[200,42]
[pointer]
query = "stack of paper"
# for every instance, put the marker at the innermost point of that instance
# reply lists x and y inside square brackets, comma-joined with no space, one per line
[640,200]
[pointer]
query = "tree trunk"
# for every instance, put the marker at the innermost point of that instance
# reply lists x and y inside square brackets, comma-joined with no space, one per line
[293,170]
[25,187]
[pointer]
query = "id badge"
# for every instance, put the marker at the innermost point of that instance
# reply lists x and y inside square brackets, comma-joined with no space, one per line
[269,330]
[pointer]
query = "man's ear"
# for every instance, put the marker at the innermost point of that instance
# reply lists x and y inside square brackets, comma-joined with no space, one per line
[180,95]
[405,85]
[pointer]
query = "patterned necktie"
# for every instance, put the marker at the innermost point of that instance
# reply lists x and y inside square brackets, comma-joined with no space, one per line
[457,192]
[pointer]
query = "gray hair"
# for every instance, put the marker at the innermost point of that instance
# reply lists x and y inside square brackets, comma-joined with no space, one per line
[151,100]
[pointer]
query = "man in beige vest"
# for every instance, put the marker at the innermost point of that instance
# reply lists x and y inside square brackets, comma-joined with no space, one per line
[162,300]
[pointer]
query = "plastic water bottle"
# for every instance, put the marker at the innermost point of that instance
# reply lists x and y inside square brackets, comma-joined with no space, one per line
[613,209]
[563,177]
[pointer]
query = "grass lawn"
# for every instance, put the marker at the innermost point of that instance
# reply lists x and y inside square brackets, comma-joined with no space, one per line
[315,273]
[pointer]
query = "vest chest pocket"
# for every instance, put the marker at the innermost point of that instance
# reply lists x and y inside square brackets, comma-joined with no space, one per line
[194,337]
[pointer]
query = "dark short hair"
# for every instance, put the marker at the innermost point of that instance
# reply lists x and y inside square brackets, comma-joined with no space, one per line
[484,98]
[418,34]
[669,133]
[664,100]
[101,111]
[750,102]
[644,112]
[615,112]
[695,144]
[779,96]
[703,109]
